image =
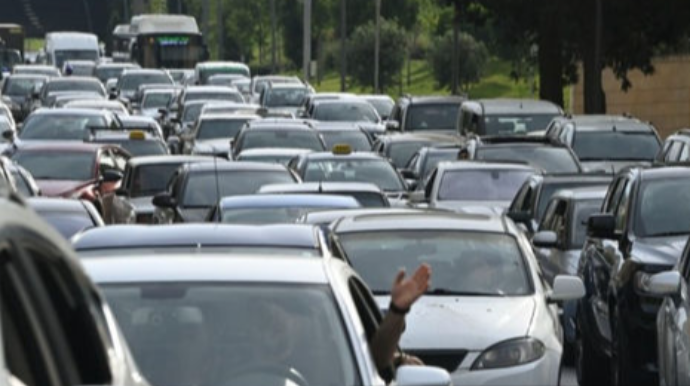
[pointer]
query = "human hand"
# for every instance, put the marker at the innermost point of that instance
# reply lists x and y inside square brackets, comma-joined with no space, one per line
[407,290]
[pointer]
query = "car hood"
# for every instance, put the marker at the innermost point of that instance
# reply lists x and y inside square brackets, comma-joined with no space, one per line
[610,167]
[193,215]
[151,113]
[57,188]
[659,250]
[474,207]
[142,204]
[471,323]
[212,146]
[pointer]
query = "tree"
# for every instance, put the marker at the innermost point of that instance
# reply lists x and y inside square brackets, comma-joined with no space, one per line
[472,58]
[361,53]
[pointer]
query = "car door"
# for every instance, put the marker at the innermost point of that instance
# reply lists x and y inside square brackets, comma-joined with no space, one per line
[677,350]
[552,259]
[122,211]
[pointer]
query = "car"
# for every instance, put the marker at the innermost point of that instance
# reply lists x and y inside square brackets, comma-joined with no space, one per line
[35,69]
[154,100]
[67,216]
[210,93]
[529,205]
[324,218]
[208,306]
[115,107]
[182,76]
[368,194]
[187,115]
[342,165]
[559,241]
[105,71]
[48,301]
[425,113]
[143,178]
[292,134]
[78,67]
[540,153]
[505,117]
[130,80]
[338,133]
[17,91]
[195,188]
[205,70]
[244,86]
[140,123]
[400,148]
[263,209]
[23,180]
[487,298]
[73,84]
[136,143]
[640,231]
[214,134]
[284,96]
[676,148]
[607,142]
[383,104]
[202,238]
[74,170]
[344,110]
[311,99]
[271,155]
[260,82]
[60,99]
[420,166]
[474,187]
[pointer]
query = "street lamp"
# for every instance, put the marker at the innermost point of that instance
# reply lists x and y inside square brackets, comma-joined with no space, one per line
[306,59]
[377,47]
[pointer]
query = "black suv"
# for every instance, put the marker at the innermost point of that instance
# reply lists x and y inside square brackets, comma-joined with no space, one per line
[425,113]
[641,231]
[484,117]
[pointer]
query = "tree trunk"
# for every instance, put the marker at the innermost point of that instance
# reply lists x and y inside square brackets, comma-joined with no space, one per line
[455,61]
[595,102]
[550,58]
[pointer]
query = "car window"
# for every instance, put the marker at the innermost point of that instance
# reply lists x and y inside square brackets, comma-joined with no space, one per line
[481,185]
[202,189]
[580,215]
[376,171]
[673,152]
[658,213]
[54,165]
[297,139]
[616,145]
[432,117]
[622,208]
[550,159]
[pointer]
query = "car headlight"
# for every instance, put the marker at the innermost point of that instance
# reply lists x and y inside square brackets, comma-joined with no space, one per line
[510,353]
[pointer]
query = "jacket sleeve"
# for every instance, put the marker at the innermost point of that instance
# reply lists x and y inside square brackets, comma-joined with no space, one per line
[384,343]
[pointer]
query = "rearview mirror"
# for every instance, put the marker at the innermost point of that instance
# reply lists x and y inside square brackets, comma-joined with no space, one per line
[545,239]
[417,197]
[408,174]
[566,287]
[601,226]
[422,376]
[662,284]
[111,176]
[392,126]
[163,200]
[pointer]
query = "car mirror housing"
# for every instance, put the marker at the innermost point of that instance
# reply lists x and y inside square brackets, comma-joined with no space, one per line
[422,376]
[408,174]
[661,284]
[112,176]
[601,226]
[392,126]
[545,239]
[566,287]
[163,200]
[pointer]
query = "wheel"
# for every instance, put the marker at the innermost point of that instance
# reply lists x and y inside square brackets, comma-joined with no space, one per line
[592,368]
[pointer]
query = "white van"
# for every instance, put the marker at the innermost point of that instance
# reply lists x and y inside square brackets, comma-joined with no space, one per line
[62,46]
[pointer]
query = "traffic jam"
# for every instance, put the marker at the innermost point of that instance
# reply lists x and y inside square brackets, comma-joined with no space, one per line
[213,227]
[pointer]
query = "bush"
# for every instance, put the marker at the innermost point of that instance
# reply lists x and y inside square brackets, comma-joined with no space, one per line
[361,54]
[473,55]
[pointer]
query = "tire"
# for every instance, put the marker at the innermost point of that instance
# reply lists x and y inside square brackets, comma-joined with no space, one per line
[622,373]
[591,367]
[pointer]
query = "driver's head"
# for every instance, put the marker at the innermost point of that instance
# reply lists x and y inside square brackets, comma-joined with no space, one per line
[273,331]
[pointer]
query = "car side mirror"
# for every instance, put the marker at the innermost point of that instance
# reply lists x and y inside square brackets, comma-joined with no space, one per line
[662,284]
[163,112]
[422,376]
[163,200]
[417,197]
[601,226]
[566,287]
[8,135]
[408,174]
[112,176]
[392,126]
[545,239]
[411,184]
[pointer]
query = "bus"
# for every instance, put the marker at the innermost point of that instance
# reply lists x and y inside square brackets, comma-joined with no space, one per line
[167,41]
[122,38]
[63,46]
[11,46]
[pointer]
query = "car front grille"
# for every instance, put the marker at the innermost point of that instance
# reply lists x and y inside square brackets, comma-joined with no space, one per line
[449,360]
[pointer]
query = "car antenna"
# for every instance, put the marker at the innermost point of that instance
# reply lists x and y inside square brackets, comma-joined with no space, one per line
[215,172]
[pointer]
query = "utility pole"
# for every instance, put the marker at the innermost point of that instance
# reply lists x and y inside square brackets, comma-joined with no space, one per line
[377,47]
[598,31]
[204,18]
[221,30]
[274,68]
[343,45]
[306,59]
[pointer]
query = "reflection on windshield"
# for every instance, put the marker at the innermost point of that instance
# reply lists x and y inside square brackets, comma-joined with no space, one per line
[220,128]
[54,165]
[346,112]
[516,124]
[185,334]
[481,185]
[284,138]
[659,212]
[356,139]
[149,180]
[63,127]
[377,172]
[202,190]
[549,159]
[462,262]
[432,117]
[286,97]
[609,145]
[62,55]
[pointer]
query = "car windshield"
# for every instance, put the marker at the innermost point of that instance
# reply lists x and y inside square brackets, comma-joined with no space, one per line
[464,263]
[282,138]
[9,58]
[219,128]
[481,185]
[432,117]
[67,224]
[357,140]
[581,214]
[346,112]
[192,112]
[59,126]
[270,215]
[659,211]
[202,189]
[54,165]
[105,73]
[156,100]
[376,171]
[82,69]
[131,82]
[22,184]
[401,152]
[516,124]
[81,85]
[552,160]
[282,159]
[233,334]
[149,180]
[548,189]
[287,97]
[143,148]
[214,96]
[435,158]
[20,87]
[63,55]
[615,146]
[383,107]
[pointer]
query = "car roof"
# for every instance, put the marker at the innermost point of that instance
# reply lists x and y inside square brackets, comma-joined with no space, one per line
[289,85]
[236,166]
[320,156]
[575,177]
[582,194]
[71,111]
[664,172]
[518,106]
[326,187]
[481,165]
[213,89]
[269,151]
[28,76]
[435,99]
[288,200]
[421,221]
[419,137]
[167,159]
[207,268]
[74,79]
[196,235]
[609,123]
[72,146]
[288,126]
[53,204]
[142,71]
[227,117]
[329,216]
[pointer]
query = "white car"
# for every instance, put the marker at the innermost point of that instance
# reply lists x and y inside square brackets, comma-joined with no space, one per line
[238,320]
[488,318]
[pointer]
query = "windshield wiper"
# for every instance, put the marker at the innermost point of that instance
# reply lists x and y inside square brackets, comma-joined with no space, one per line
[447,292]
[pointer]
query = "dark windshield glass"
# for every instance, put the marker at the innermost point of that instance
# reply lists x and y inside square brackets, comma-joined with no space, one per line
[291,97]
[357,140]
[383,107]
[82,85]
[149,180]
[68,223]
[131,82]
[346,112]
[285,138]
[608,145]
[550,159]
[20,86]
[548,189]
[436,157]
[371,200]
[202,188]
[481,185]
[581,214]
[432,117]
[52,165]
[63,55]
[192,112]
[63,127]
[143,148]
[661,208]
[377,172]
[218,128]
[233,334]
[156,100]
[516,124]
[401,152]
[462,262]
[105,73]
[83,69]
[9,58]
[215,96]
